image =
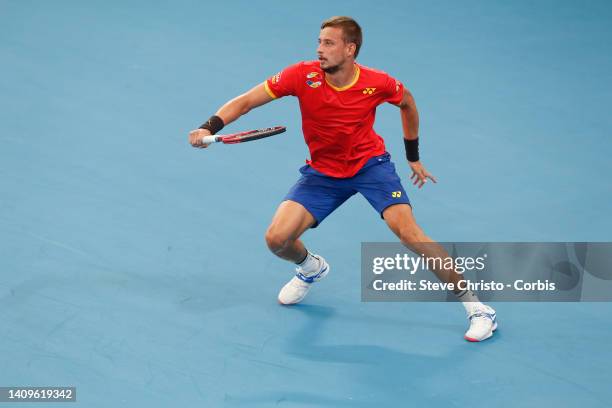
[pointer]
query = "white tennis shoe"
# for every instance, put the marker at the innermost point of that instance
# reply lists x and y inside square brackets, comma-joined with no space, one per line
[296,289]
[483,322]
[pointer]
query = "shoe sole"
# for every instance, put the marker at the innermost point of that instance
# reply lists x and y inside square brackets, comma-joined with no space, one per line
[473,340]
[293,303]
[289,304]
[284,304]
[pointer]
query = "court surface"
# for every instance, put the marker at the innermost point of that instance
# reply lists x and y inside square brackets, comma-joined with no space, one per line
[134,267]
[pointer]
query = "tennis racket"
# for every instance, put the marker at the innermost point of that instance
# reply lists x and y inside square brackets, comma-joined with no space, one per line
[242,137]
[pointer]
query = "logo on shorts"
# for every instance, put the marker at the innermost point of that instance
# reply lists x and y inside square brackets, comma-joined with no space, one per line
[396,194]
[369,91]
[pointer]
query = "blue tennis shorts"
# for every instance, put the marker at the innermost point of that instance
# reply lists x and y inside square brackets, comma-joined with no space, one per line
[377,181]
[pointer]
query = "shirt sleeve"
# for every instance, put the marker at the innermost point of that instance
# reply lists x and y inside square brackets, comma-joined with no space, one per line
[393,91]
[284,83]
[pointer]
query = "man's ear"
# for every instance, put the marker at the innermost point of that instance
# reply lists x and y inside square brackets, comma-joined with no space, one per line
[352,47]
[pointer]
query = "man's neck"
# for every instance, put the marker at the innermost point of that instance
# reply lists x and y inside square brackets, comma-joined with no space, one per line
[344,76]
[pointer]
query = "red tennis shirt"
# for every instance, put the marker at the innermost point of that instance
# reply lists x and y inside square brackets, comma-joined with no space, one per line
[337,122]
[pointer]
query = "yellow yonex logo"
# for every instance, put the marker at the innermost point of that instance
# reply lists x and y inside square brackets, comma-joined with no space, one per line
[396,194]
[369,91]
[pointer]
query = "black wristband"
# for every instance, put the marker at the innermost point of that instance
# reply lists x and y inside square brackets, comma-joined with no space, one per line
[214,124]
[412,149]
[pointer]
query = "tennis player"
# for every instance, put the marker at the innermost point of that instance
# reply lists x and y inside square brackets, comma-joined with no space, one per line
[338,99]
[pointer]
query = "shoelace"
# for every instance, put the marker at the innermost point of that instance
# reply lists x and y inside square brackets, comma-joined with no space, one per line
[298,283]
[480,315]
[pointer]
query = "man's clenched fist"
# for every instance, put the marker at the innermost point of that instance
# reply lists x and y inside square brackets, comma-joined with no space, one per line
[195,138]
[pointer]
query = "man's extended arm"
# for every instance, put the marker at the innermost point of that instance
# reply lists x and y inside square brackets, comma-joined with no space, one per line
[410,126]
[232,110]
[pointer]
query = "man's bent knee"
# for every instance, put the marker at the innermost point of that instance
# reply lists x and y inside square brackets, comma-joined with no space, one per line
[277,241]
[411,236]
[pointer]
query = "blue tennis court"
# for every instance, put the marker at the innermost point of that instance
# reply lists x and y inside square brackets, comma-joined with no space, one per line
[134,267]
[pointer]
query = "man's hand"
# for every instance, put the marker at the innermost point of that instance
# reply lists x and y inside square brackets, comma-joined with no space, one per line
[420,174]
[195,138]
[232,110]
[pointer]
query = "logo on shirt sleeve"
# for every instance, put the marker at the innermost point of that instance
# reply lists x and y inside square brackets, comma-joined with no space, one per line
[276,78]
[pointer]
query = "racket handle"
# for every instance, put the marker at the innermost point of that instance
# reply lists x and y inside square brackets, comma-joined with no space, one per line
[210,139]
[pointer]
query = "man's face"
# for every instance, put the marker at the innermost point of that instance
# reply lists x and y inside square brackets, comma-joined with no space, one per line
[332,51]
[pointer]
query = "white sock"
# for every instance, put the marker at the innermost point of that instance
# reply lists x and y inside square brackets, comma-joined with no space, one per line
[469,299]
[310,265]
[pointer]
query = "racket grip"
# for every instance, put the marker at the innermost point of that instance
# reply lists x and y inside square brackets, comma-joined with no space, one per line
[210,139]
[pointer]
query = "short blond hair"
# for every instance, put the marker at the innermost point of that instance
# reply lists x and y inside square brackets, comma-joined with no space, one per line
[351,31]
